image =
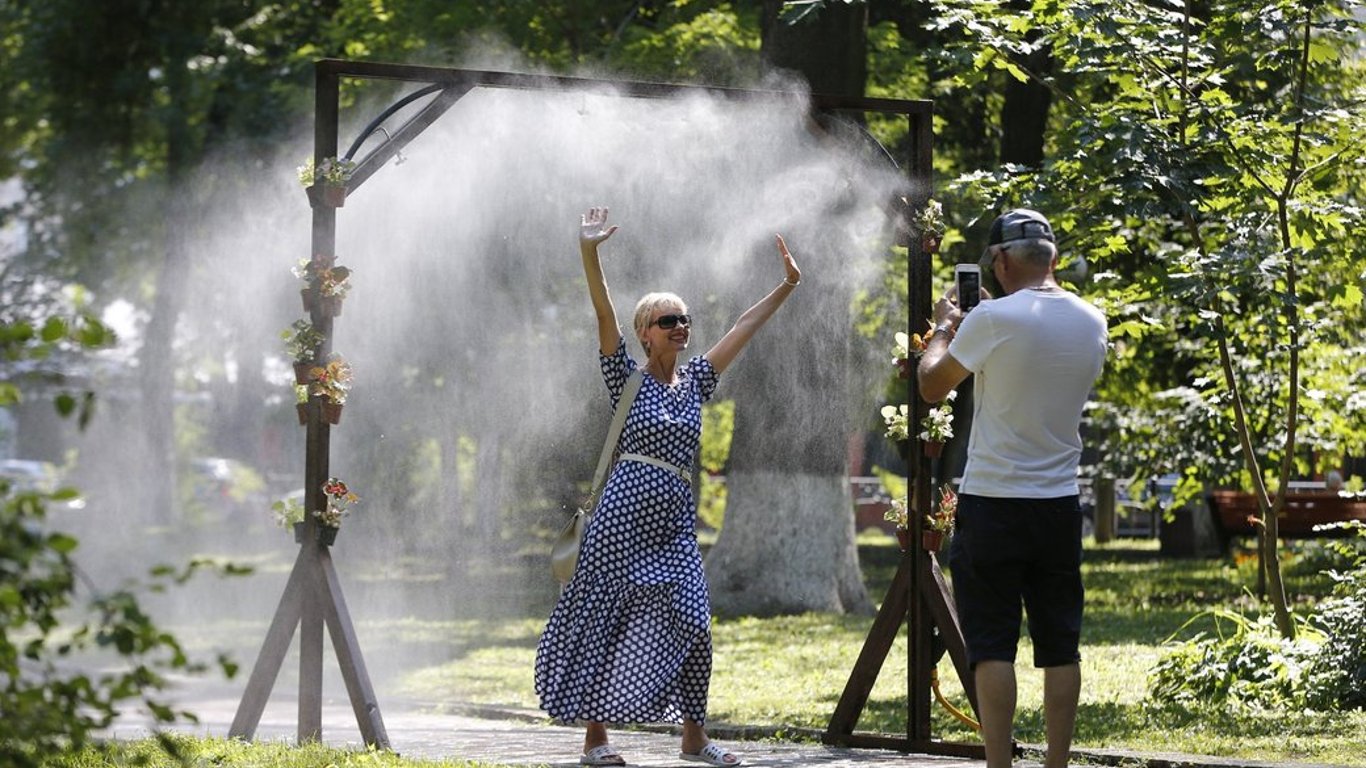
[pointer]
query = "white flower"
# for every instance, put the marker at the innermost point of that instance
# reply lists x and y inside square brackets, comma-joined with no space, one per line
[937,426]
[902,349]
[898,421]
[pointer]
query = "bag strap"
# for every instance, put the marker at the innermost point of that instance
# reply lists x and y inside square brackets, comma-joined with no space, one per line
[628,396]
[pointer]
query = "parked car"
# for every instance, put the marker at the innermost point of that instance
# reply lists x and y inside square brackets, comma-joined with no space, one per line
[225,487]
[32,476]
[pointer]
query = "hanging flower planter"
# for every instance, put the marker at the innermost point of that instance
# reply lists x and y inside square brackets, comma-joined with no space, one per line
[333,196]
[331,306]
[931,540]
[302,409]
[339,498]
[903,538]
[940,522]
[331,382]
[327,535]
[326,183]
[331,412]
[929,222]
[937,427]
[302,342]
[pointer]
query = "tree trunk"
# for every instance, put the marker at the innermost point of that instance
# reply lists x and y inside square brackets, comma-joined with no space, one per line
[1024,116]
[787,547]
[787,543]
[156,359]
[830,51]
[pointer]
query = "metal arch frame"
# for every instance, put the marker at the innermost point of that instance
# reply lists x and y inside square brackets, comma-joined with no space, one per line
[312,598]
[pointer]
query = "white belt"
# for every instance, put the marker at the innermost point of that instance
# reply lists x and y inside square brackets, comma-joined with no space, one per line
[682,475]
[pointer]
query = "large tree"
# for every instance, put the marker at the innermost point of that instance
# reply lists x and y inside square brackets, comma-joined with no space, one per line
[787,545]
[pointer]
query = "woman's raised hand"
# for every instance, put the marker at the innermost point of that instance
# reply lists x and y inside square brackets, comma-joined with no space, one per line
[794,275]
[593,228]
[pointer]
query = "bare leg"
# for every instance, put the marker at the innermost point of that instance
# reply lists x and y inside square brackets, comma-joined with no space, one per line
[996,700]
[594,736]
[694,737]
[1061,690]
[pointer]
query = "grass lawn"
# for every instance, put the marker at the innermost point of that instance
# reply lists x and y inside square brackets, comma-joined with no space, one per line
[787,672]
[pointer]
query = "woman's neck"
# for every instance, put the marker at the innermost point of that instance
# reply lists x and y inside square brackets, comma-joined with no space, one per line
[662,366]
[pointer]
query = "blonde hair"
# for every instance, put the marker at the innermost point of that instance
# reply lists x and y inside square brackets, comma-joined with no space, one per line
[646,307]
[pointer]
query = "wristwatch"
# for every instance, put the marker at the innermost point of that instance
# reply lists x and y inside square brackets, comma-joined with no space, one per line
[944,327]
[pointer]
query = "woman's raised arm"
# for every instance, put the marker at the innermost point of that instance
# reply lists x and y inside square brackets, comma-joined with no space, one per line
[754,318]
[593,230]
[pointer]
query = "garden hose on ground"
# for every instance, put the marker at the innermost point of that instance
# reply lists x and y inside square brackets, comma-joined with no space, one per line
[955,711]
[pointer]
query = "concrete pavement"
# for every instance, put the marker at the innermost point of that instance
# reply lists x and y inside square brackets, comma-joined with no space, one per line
[527,738]
[519,738]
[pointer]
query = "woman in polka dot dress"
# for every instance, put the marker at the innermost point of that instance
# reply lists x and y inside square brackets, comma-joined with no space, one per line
[630,639]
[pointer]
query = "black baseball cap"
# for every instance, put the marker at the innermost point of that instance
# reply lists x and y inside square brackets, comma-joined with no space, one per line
[1019,224]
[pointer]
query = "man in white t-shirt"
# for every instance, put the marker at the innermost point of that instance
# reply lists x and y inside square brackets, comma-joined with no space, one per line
[1034,354]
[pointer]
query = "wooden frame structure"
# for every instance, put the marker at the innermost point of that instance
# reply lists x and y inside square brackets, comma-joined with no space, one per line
[918,596]
[313,598]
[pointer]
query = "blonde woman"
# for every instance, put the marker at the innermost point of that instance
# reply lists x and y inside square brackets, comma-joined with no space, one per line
[630,639]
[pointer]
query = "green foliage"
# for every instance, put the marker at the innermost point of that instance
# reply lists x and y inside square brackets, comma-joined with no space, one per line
[1241,662]
[718,425]
[48,702]
[1245,663]
[1338,678]
[177,751]
[690,42]
[1214,192]
[302,341]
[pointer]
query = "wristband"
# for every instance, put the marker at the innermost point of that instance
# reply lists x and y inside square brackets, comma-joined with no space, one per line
[794,285]
[944,327]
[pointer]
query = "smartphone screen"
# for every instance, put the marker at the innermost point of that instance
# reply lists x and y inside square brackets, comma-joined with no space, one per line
[969,288]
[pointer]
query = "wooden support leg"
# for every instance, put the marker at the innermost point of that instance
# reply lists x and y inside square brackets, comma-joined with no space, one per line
[888,623]
[940,603]
[347,649]
[311,650]
[272,655]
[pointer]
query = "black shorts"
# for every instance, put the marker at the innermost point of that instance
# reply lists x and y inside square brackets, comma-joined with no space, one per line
[1008,553]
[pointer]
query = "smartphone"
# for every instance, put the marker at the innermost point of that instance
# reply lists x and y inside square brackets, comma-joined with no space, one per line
[968,278]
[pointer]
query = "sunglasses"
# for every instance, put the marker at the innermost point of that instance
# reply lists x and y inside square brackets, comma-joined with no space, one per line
[988,260]
[669,321]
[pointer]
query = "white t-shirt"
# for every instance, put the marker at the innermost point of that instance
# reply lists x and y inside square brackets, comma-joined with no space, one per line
[1035,355]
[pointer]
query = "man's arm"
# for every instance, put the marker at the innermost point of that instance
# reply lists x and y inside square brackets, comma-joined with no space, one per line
[939,372]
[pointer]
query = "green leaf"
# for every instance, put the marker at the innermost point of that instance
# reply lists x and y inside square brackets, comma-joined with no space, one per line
[1131,328]
[1347,296]
[54,329]
[65,403]
[62,543]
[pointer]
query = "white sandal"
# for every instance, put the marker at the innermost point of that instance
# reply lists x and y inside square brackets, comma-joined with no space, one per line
[713,754]
[603,754]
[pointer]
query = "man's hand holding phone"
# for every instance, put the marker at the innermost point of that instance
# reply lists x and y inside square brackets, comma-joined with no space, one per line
[967,278]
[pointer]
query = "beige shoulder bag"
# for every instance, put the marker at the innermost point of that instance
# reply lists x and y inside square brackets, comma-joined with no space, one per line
[564,554]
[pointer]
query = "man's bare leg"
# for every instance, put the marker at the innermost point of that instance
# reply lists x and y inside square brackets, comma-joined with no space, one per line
[1061,690]
[996,702]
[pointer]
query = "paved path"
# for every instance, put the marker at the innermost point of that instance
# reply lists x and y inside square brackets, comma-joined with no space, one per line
[507,739]
[523,738]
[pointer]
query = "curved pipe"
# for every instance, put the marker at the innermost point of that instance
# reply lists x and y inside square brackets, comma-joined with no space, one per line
[386,114]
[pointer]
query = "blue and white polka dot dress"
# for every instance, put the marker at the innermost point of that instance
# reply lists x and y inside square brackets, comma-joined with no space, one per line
[630,639]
